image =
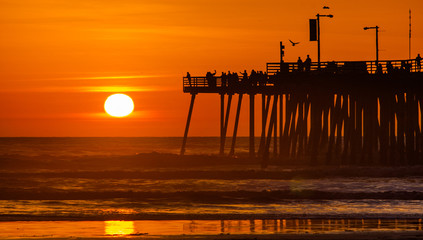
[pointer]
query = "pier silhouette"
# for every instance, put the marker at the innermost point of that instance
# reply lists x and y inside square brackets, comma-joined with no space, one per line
[332,113]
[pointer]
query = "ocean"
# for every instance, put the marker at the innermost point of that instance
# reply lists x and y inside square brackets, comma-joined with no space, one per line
[138,187]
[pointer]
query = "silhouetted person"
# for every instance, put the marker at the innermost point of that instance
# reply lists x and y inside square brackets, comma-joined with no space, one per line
[307,64]
[235,78]
[300,64]
[419,62]
[262,79]
[189,78]
[224,79]
[254,78]
[211,80]
[232,79]
[244,79]
[389,67]
[265,77]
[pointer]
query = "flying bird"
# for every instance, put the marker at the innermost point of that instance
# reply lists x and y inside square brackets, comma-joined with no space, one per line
[325,7]
[293,43]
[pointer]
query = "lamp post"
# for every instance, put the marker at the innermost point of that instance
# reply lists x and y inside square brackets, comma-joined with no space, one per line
[318,36]
[377,41]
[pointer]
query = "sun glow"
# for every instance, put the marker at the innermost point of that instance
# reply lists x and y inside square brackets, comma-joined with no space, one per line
[119,105]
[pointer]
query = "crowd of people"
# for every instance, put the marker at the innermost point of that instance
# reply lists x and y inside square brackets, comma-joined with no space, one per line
[232,79]
[406,66]
[259,78]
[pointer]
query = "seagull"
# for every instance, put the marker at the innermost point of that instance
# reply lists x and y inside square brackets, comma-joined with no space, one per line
[293,43]
[325,7]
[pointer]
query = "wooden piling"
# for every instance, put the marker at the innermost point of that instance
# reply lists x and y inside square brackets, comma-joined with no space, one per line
[225,125]
[238,112]
[191,107]
[252,147]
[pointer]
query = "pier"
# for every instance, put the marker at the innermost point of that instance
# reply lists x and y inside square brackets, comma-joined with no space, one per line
[335,113]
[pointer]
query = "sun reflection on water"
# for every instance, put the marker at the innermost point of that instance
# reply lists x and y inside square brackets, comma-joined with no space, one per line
[119,227]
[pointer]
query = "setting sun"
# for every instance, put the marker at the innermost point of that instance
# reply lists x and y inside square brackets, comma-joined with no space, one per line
[119,105]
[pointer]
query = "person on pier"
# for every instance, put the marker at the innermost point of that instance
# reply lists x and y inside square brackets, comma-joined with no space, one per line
[260,79]
[300,64]
[224,79]
[307,64]
[211,80]
[244,79]
[253,78]
[419,62]
[233,80]
[189,79]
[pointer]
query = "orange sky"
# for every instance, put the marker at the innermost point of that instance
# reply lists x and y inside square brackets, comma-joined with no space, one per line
[61,59]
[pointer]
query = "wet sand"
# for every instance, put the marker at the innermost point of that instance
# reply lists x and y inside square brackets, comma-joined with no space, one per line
[216,229]
[335,236]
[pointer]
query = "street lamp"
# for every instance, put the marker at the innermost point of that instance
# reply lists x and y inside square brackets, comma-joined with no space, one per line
[318,36]
[377,41]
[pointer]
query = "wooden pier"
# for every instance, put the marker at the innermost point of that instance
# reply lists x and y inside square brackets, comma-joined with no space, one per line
[345,113]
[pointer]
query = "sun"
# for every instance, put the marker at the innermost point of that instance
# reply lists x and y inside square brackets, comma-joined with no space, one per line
[119,105]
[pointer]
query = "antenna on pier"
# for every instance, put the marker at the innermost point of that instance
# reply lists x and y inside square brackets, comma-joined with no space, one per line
[409,35]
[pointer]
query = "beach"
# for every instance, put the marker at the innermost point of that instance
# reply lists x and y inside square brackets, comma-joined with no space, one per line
[124,191]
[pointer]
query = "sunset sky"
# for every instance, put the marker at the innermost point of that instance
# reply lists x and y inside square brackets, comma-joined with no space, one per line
[62,59]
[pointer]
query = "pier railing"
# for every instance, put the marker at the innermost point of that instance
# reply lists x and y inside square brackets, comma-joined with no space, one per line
[290,69]
[370,67]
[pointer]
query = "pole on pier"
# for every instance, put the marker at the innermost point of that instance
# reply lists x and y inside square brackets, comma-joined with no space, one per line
[377,42]
[318,36]
[409,34]
[191,107]
[318,41]
[377,45]
[282,52]
[238,111]
[252,149]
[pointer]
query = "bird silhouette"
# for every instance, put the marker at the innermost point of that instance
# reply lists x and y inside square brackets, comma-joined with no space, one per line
[326,7]
[294,43]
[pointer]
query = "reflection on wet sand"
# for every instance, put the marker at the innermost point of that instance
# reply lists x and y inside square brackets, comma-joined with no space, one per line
[50,229]
[300,226]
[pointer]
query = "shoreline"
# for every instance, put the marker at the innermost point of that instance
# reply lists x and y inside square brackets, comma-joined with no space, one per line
[412,235]
[207,230]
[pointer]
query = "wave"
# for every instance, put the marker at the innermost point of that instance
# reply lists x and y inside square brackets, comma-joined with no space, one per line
[215,197]
[179,170]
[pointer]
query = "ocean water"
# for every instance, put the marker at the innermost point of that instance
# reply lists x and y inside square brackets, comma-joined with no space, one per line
[121,183]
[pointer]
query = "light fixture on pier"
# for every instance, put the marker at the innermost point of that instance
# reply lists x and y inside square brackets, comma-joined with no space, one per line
[377,41]
[318,36]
